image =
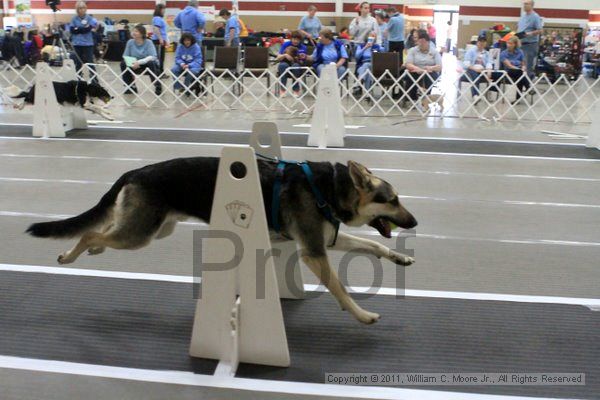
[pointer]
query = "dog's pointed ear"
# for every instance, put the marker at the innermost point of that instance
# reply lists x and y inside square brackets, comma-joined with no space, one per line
[360,175]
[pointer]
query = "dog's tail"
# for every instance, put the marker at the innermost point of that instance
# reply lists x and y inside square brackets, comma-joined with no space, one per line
[75,226]
[14,92]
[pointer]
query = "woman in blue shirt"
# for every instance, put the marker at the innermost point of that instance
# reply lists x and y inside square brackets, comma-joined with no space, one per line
[364,57]
[82,36]
[310,25]
[329,51]
[159,34]
[144,53]
[512,61]
[188,61]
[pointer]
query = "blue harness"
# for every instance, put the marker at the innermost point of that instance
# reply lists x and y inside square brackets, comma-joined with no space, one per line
[322,204]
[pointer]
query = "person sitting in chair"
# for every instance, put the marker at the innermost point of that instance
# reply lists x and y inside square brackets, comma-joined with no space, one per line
[478,62]
[188,61]
[141,50]
[329,51]
[290,65]
[512,61]
[424,63]
[364,57]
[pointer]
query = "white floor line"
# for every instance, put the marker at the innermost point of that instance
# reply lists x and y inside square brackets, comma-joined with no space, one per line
[364,135]
[376,169]
[550,242]
[587,302]
[310,149]
[258,385]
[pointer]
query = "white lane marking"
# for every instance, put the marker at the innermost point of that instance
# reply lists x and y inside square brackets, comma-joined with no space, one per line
[384,291]
[416,171]
[310,149]
[363,135]
[283,388]
[40,180]
[355,232]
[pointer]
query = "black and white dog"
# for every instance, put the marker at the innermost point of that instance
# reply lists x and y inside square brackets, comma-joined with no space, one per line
[75,92]
[146,204]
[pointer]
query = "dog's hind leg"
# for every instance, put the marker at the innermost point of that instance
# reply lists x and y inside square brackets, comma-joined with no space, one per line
[346,242]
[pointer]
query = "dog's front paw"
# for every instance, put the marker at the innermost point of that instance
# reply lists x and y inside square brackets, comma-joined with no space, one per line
[401,259]
[367,317]
[64,259]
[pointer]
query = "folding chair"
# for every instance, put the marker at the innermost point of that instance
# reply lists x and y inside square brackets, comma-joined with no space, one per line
[386,65]
[256,62]
[226,64]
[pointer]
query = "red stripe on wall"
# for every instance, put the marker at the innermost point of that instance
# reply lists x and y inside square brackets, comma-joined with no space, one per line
[556,13]
[419,12]
[516,12]
[595,17]
[490,11]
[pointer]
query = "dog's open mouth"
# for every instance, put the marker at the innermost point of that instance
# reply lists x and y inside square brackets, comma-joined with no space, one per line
[383,226]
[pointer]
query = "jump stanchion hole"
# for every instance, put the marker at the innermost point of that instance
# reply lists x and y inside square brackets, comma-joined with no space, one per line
[238,170]
[264,140]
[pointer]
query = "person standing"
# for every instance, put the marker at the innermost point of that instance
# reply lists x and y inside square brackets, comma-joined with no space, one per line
[159,34]
[529,30]
[82,37]
[310,25]
[431,31]
[232,28]
[382,20]
[396,33]
[191,20]
[362,26]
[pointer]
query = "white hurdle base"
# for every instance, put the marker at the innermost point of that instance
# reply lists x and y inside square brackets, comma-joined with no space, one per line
[50,119]
[248,328]
[265,140]
[593,140]
[327,128]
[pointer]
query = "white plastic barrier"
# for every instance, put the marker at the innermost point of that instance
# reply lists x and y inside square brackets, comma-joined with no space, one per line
[265,140]
[594,131]
[50,119]
[248,328]
[327,128]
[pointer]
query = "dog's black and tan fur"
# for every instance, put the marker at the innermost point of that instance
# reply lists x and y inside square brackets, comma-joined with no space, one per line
[146,204]
[75,92]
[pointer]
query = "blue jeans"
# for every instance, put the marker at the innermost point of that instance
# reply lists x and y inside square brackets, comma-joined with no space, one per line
[188,79]
[85,55]
[235,42]
[363,74]
[340,70]
[284,74]
[476,78]
[531,52]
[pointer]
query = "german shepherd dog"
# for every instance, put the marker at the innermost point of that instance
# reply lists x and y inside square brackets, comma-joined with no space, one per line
[146,204]
[75,92]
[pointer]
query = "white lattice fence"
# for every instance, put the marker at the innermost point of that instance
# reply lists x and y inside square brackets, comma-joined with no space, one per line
[561,100]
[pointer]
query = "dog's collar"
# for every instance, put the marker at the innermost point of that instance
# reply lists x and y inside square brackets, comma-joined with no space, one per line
[324,207]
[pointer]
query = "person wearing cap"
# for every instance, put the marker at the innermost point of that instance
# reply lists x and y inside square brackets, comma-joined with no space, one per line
[232,28]
[191,20]
[477,61]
